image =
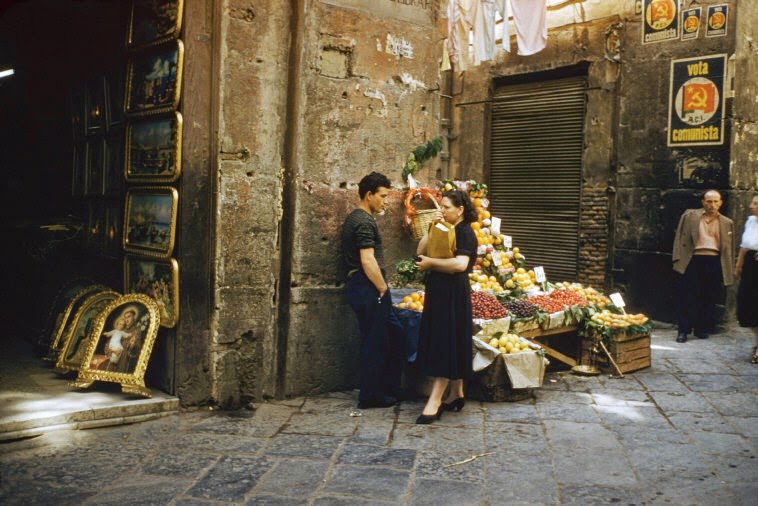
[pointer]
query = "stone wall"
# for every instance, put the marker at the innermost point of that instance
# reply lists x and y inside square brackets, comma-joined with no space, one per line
[311,100]
[369,95]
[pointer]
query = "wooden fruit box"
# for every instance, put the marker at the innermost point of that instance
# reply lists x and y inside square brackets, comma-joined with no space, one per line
[630,352]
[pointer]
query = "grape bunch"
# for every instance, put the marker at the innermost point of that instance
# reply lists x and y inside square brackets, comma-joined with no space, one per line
[486,307]
[520,308]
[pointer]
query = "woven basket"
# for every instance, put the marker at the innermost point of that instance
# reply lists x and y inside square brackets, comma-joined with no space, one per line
[420,223]
[420,219]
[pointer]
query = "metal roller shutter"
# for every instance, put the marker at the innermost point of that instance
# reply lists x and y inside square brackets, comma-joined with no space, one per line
[535,175]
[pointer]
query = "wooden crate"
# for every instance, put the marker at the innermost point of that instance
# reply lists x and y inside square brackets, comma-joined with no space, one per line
[630,352]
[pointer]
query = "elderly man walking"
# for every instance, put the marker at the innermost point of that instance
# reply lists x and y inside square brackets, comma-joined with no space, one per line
[704,255]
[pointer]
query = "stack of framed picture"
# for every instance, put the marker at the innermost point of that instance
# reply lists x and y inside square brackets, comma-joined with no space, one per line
[153,152]
[98,121]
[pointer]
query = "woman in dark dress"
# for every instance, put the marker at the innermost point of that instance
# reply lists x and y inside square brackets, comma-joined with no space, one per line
[746,270]
[446,326]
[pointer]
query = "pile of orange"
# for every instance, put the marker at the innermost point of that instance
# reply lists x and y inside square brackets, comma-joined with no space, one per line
[413,301]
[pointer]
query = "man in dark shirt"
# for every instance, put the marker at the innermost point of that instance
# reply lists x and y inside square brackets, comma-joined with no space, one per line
[369,296]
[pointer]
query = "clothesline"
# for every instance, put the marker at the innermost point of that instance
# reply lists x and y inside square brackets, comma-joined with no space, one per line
[472,29]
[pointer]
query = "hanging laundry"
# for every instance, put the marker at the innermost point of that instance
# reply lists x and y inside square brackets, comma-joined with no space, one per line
[484,31]
[530,20]
[460,21]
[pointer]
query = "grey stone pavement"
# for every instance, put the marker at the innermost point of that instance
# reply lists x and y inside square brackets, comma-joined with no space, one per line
[684,431]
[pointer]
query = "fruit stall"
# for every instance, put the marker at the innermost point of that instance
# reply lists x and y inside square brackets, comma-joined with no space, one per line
[517,311]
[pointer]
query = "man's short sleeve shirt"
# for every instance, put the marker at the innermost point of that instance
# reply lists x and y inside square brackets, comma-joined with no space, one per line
[360,231]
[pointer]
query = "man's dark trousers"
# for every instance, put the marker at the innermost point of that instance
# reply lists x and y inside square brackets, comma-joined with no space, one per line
[701,289]
[382,339]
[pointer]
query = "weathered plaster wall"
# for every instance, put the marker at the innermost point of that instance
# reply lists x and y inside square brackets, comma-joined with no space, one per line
[252,113]
[369,95]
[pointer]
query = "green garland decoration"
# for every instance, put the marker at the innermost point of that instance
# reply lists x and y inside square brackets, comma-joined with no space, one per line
[421,154]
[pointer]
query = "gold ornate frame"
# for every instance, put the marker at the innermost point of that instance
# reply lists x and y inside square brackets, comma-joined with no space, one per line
[127,366]
[76,335]
[164,273]
[167,24]
[143,232]
[146,95]
[162,154]
[64,317]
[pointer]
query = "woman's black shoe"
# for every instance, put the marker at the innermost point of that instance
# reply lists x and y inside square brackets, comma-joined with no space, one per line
[456,405]
[427,419]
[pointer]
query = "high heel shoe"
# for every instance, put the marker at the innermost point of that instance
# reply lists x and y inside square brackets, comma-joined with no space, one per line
[427,419]
[456,405]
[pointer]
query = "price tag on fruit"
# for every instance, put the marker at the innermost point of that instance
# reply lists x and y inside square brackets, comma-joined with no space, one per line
[496,259]
[508,241]
[539,274]
[617,299]
[495,226]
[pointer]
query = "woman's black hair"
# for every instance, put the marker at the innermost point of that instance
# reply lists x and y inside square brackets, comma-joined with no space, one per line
[460,198]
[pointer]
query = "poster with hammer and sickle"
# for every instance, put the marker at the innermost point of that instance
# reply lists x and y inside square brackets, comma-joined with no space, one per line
[697,101]
[660,20]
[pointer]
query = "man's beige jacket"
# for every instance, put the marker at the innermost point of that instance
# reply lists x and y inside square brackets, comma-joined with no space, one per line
[686,238]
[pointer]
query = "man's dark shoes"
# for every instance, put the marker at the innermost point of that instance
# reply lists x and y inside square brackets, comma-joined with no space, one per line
[701,334]
[381,402]
[681,338]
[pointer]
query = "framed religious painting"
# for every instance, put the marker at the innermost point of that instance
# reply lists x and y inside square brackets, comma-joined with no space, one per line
[154,21]
[63,318]
[95,105]
[119,346]
[61,300]
[79,329]
[113,179]
[154,79]
[157,278]
[95,166]
[150,220]
[154,148]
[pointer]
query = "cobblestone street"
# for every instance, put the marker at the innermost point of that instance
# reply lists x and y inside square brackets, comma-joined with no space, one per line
[684,431]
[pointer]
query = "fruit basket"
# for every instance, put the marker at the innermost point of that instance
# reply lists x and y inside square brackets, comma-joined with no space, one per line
[418,220]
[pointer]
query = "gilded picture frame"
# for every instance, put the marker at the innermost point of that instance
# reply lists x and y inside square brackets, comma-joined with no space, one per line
[64,318]
[65,294]
[80,329]
[158,279]
[154,79]
[94,184]
[150,220]
[154,21]
[154,149]
[121,342]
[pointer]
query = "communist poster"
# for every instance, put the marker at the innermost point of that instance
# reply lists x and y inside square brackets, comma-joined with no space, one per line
[697,101]
[660,20]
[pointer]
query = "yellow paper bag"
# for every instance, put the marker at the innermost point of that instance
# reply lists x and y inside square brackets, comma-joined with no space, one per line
[441,242]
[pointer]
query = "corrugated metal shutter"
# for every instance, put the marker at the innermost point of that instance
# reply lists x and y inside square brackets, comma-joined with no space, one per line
[535,175]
